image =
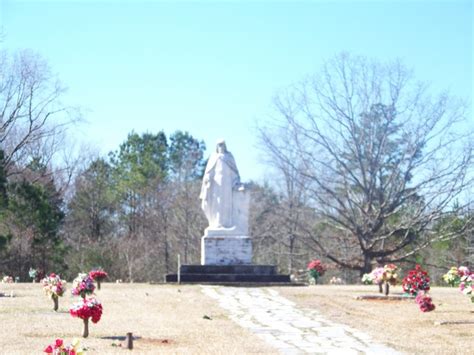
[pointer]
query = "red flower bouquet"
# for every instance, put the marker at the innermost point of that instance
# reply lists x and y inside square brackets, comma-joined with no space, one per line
[315,270]
[88,308]
[425,302]
[58,348]
[416,280]
[98,275]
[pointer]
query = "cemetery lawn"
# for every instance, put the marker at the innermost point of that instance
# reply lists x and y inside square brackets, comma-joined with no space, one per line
[398,324]
[167,318]
[172,319]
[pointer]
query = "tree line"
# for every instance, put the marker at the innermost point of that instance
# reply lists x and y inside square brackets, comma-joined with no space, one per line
[367,168]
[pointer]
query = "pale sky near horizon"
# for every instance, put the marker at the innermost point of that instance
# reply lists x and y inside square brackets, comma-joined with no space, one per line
[212,68]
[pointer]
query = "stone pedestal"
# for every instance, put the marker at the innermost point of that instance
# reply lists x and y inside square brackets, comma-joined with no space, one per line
[226,250]
[230,275]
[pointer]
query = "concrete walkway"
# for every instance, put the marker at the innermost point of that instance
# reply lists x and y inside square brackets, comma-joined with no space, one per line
[288,329]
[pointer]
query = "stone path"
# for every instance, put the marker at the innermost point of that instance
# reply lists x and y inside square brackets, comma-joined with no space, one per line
[288,329]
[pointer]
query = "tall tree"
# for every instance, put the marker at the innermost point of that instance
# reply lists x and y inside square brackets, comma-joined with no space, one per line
[34,220]
[187,167]
[90,211]
[139,165]
[384,160]
[32,117]
[186,156]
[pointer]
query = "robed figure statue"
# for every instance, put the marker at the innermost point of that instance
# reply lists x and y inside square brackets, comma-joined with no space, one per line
[222,194]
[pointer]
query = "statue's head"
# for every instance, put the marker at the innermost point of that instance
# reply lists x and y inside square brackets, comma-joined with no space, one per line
[221,147]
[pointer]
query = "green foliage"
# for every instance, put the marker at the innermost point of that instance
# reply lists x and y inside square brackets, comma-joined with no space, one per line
[141,159]
[186,156]
[92,207]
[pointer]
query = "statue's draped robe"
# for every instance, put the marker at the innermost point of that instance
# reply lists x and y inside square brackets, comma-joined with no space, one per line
[220,177]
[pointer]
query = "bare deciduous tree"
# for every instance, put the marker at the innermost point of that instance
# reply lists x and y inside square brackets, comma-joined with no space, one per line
[382,159]
[32,117]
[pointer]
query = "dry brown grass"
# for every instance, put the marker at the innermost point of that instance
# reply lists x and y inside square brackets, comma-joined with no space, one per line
[168,319]
[399,324]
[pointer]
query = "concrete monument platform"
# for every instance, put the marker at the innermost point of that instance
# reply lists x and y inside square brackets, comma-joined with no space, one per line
[229,274]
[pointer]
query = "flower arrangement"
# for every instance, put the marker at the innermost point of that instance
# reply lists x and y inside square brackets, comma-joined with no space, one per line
[32,274]
[389,274]
[88,308]
[424,301]
[83,285]
[367,279]
[315,270]
[465,285]
[7,280]
[54,288]
[374,277]
[416,280]
[98,275]
[58,348]
[335,281]
[464,271]
[380,275]
[454,275]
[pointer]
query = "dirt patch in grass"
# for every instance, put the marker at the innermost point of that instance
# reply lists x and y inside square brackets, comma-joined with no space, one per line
[399,324]
[163,318]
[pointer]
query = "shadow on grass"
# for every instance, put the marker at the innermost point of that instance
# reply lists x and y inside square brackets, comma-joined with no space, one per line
[119,337]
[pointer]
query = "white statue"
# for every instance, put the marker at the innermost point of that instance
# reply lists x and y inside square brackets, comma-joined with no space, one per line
[224,199]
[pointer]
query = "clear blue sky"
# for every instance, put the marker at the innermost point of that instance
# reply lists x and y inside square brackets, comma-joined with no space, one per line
[212,68]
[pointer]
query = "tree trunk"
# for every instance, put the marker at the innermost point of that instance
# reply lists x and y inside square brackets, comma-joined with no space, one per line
[85,331]
[290,257]
[367,267]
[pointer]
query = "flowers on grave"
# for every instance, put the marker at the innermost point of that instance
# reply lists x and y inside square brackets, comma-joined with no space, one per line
[53,285]
[7,280]
[464,271]
[367,279]
[380,275]
[82,285]
[374,277]
[89,308]
[335,281]
[451,277]
[315,270]
[465,286]
[98,275]
[54,288]
[424,301]
[416,280]
[389,274]
[58,348]
[32,274]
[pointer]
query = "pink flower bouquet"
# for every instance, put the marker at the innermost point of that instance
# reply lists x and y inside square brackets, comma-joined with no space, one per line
[54,288]
[424,301]
[83,285]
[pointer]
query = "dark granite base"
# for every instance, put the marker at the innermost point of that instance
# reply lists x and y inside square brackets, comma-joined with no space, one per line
[228,274]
